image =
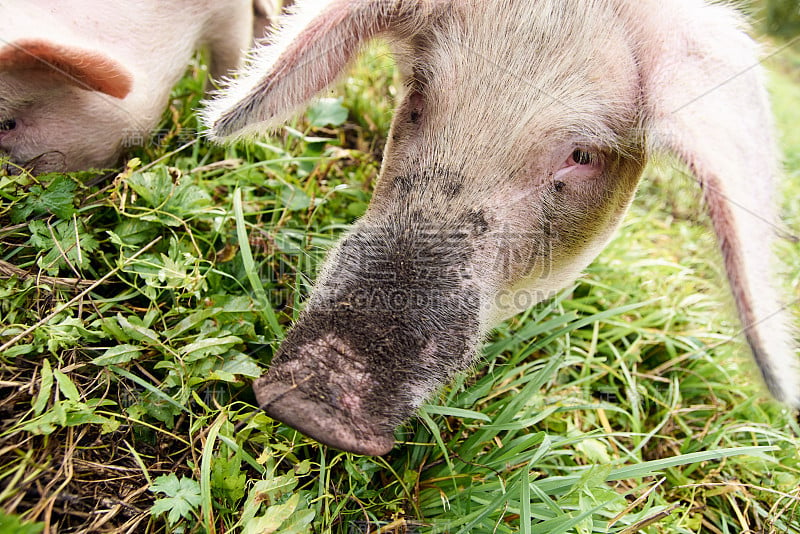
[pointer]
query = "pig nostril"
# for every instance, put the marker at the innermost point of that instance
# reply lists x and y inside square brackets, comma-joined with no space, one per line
[8,125]
[321,387]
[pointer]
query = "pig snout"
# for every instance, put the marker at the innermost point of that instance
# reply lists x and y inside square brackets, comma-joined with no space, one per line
[393,316]
[319,387]
[52,161]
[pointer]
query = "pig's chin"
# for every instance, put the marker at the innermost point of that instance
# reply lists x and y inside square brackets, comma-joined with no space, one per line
[348,376]
[47,162]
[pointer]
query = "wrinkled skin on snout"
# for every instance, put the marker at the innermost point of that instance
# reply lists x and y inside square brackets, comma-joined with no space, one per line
[514,152]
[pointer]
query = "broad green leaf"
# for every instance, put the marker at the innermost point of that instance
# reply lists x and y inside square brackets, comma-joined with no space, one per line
[134,231]
[11,524]
[272,489]
[172,198]
[190,321]
[212,346]
[152,187]
[111,326]
[56,198]
[57,415]
[304,467]
[61,242]
[19,349]
[294,199]
[227,478]
[119,354]
[594,450]
[45,387]
[327,112]
[357,209]
[86,417]
[274,517]
[137,332]
[299,521]
[183,497]
[66,386]
[241,364]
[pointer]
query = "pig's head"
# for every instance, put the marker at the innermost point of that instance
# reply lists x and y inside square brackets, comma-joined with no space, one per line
[60,106]
[513,154]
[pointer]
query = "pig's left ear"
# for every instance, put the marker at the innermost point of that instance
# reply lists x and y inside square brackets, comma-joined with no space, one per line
[82,68]
[314,46]
[705,102]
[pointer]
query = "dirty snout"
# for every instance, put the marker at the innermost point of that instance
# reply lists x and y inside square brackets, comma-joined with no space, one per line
[394,315]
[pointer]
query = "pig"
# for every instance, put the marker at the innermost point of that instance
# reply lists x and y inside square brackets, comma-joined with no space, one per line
[82,80]
[513,154]
[265,15]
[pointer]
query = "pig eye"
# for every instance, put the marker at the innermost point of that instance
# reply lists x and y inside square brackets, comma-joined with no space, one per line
[416,103]
[582,157]
[8,124]
[581,163]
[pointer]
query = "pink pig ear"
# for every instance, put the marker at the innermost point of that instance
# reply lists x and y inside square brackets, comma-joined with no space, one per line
[79,67]
[312,49]
[706,103]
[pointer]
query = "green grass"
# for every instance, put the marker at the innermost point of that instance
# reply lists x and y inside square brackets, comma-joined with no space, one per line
[624,405]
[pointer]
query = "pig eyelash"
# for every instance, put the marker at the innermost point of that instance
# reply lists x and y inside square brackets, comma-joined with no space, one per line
[7,125]
[583,157]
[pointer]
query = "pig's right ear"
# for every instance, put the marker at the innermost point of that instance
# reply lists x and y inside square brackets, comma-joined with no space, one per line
[82,68]
[314,46]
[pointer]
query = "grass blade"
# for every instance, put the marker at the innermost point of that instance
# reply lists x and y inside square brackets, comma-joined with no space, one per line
[205,473]
[649,468]
[265,308]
